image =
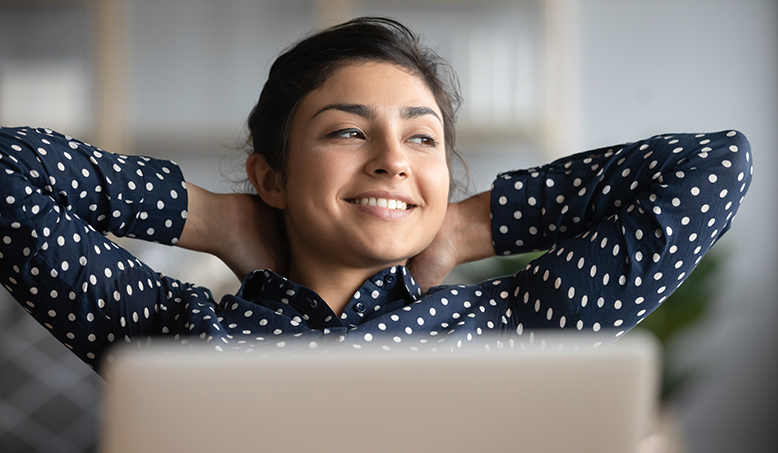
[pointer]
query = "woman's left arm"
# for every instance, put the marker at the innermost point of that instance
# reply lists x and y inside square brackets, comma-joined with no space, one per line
[466,236]
[625,225]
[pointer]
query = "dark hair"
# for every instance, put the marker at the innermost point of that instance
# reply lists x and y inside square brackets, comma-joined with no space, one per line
[308,64]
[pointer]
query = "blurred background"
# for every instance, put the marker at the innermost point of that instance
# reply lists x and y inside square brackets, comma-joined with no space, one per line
[540,78]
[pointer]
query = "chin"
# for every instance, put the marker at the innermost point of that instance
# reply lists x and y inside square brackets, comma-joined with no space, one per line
[383,252]
[387,259]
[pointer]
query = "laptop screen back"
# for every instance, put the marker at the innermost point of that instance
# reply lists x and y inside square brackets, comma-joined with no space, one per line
[545,399]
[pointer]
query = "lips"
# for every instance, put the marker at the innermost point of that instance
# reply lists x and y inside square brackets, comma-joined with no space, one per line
[389,203]
[392,200]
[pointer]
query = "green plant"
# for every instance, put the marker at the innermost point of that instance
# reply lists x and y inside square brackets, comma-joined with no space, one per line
[684,308]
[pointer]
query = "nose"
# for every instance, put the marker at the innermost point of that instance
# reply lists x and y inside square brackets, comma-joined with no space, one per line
[388,157]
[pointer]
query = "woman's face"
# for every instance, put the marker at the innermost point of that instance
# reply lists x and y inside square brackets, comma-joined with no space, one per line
[367,178]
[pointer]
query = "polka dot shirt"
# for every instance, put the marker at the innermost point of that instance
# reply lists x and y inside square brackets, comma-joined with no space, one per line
[623,227]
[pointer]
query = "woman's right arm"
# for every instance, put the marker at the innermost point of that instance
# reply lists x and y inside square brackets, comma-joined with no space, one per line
[240,229]
[58,198]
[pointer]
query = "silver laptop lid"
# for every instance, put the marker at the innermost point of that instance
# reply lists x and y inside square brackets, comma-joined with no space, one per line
[542,398]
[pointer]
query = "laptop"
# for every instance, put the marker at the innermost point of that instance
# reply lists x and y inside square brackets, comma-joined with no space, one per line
[556,395]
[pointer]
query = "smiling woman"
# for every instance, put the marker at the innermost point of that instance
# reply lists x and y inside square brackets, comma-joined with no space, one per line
[351,228]
[353,142]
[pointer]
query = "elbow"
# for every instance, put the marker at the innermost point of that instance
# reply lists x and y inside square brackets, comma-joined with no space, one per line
[738,160]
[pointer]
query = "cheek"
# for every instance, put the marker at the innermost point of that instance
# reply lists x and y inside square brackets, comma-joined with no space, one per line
[437,183]
[312,174]
[314,187]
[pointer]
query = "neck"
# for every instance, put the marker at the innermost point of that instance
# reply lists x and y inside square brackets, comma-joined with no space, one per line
[335,283]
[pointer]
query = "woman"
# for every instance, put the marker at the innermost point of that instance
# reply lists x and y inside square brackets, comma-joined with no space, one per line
[352,139]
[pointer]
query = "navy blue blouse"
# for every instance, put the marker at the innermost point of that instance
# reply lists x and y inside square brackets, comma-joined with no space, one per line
[623,226]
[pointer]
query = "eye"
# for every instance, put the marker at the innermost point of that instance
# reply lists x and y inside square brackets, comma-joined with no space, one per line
[346,133]
[425,140]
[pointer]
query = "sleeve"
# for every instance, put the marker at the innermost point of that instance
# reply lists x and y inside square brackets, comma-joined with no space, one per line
[59,197]
[624,226]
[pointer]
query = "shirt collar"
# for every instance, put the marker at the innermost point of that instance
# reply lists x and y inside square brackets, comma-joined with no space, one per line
[388,289]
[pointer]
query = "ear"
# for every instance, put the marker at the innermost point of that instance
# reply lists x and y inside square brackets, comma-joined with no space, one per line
[267,182]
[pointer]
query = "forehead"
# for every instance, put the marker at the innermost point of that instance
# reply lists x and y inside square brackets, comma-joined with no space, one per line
[376,84]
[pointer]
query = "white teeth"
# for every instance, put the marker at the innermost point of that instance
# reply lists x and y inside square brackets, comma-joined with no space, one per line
[383,203]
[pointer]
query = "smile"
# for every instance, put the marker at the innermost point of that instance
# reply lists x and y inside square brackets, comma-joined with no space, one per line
[382,203]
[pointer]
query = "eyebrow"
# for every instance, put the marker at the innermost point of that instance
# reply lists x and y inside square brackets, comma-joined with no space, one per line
[369,113]
[415,112]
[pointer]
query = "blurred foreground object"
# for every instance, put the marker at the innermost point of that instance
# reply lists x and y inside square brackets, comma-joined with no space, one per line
[551,394]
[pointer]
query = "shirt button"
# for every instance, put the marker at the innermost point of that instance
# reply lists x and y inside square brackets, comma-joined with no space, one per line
[359,307]
[313,303]
[389,279]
